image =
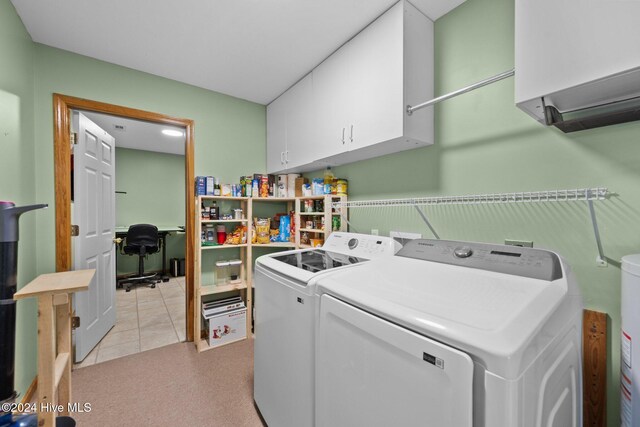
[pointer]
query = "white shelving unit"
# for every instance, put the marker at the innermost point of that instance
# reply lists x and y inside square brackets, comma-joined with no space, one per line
[246,249]
[328,212]
[208,289]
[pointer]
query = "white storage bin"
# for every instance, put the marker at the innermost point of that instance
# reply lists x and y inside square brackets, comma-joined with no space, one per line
[226,327]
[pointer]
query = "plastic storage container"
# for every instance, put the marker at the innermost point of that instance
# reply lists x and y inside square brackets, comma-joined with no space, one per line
[222,272]
[235,267]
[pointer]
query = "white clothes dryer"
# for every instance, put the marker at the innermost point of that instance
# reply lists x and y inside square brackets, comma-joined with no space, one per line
[451,334]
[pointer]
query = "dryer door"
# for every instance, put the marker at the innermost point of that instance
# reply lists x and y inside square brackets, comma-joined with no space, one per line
[371,372]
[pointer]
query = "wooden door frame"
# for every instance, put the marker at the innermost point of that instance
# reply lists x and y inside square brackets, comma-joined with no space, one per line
[62,106]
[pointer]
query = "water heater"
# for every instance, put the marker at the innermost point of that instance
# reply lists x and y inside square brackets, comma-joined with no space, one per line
[630,342]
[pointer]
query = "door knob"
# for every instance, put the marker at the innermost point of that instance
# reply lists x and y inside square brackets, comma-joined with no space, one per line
[117,240]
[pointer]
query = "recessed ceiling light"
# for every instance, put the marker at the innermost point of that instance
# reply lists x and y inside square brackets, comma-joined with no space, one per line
[172,132]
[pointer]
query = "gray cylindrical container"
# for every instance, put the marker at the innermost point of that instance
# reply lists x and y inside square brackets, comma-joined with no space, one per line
[630,342]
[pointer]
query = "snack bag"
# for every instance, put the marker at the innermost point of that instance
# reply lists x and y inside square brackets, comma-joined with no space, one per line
[262,230]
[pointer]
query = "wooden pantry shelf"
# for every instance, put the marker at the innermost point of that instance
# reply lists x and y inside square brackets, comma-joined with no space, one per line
[320,197]
[273,199]
[244,245]
[223,198]
[312,230]
[312,213]
[222,221]
[274,245]
[218,289]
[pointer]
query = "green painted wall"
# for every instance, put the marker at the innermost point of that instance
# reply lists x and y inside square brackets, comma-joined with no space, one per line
[17,171]
[154,183]
[229,132]
[485,144]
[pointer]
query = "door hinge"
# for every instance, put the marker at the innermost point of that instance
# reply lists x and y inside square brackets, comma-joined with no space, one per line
[75,230]
[75,322]
[74,138]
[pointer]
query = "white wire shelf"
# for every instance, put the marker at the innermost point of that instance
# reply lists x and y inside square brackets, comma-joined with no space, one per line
[587,195]
[574,195]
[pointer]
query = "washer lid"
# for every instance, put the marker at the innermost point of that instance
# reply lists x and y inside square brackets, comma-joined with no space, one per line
[492,316]
[340,250]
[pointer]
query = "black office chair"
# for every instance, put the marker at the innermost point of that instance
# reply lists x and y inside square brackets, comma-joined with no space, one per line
[141,240]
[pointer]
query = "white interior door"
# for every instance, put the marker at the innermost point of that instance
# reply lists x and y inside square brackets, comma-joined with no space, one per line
[94,213]
[371,372]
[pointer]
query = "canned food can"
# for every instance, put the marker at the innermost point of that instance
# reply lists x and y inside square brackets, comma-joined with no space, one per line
[342,187]
[308,205]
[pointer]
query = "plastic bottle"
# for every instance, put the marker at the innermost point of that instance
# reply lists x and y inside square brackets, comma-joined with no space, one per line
[328,180]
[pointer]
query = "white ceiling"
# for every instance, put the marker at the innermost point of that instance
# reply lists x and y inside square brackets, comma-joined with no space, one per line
[250,49]
[138,134]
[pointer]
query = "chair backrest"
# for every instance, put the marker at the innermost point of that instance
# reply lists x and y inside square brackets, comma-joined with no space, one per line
[143,235]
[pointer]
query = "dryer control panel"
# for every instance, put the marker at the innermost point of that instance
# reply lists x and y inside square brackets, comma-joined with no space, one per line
[361,245]
[524,262]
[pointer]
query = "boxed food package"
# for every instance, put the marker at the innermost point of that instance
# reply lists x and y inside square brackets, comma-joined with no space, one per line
[272,185]
[282,186]
[300,181]
[210,185]
[291,183]
[226,327]
[264,186]
[201,185]
[317,187]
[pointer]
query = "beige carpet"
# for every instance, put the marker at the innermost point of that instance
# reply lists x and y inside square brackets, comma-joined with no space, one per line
[170,386]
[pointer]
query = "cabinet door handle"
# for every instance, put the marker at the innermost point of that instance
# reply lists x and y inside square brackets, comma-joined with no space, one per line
[282,157]
[286,156]
[351,136]
[343,135]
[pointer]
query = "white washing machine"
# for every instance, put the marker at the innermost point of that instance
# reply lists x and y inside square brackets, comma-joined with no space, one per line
[285,322]
[451,334]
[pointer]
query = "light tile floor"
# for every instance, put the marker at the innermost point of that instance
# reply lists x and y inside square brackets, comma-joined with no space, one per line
[146,318]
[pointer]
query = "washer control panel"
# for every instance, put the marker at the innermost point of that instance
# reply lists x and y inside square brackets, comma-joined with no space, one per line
[525,262]
[361,245]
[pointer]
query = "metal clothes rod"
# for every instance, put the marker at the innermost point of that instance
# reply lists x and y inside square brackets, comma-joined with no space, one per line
[574,195]
[498,77]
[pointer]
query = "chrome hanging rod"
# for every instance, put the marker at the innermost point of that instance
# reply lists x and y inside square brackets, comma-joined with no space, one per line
[575,195]
[498,77]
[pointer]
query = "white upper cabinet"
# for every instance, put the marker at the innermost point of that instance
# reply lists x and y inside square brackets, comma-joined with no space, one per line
[277,133]
[377,93]
[575,54]
[300,136]
[333,100]
[290,127]
[356,101]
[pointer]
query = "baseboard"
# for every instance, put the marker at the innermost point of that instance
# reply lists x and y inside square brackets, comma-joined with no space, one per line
[28,395]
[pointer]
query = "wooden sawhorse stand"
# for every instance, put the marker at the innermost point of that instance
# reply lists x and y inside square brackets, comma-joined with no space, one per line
[54,292]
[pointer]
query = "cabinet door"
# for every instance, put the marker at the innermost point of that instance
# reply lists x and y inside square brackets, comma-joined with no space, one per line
[300,123]
[276,134]
[333,99]
[604,37]
[377,65]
